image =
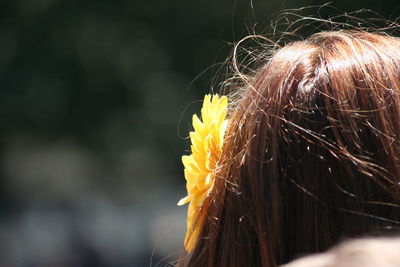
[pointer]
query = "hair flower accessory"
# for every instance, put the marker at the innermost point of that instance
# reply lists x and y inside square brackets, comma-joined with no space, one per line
[200,166]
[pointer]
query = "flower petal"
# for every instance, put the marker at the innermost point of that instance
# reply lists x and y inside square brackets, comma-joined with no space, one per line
[200,166]
[183,201]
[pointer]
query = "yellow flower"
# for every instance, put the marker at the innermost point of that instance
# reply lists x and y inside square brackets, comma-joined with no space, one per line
[200,166]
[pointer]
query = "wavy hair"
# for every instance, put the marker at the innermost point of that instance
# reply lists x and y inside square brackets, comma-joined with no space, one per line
[311,155]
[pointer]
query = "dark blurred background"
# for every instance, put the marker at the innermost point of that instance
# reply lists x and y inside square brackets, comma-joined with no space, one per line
[96,99]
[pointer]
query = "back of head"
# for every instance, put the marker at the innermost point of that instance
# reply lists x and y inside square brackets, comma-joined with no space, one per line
[311,154]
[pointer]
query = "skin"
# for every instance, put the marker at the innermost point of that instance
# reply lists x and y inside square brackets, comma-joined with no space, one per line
[369,252]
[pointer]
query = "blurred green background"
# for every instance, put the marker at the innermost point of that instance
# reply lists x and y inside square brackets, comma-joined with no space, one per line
[96,99]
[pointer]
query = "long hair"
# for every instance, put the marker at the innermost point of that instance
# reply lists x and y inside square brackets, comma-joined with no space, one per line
[311,154]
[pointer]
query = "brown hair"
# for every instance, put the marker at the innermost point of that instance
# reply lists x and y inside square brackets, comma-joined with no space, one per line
[311,154]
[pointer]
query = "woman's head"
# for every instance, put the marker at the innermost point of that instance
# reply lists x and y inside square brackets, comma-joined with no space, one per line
[311,154]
